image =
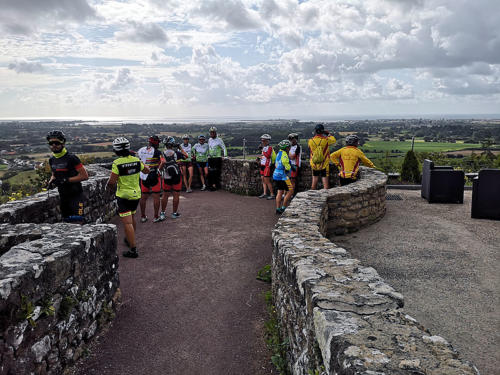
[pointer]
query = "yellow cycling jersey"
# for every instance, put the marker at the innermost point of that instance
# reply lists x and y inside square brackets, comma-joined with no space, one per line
[324,142]
[347,160]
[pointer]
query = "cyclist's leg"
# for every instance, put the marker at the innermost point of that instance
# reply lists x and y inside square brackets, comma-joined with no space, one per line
[190,179]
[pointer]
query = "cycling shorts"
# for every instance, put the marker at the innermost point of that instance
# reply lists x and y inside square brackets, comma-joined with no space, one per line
[294,173]
[265,170]
[202,164]
[320,172]
[154,189]
[126,207]
[285,185]
[174,184]
[186,164]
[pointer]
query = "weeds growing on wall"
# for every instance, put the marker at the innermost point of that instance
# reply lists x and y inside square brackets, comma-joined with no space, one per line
[277,347]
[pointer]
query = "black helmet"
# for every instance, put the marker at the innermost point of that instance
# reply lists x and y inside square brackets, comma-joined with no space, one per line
[169,141]
[320,128]
[154,140]
[56,134]
[120,144]
[352,140]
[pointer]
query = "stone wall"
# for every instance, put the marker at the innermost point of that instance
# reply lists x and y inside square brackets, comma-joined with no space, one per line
[243,176]
[338,316]
[58,286]
[44,207]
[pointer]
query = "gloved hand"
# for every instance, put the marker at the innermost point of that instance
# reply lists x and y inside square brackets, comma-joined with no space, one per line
[51,185]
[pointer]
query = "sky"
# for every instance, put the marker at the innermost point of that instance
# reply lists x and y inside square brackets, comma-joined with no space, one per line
[248,58]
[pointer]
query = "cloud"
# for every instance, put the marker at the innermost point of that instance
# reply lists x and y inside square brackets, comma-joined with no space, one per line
[143,33]
[25,66]
[25,16]
[231,13]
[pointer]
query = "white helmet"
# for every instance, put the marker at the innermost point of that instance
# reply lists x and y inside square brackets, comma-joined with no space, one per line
[265,136]
[121,143]
[185,136]
[213,129]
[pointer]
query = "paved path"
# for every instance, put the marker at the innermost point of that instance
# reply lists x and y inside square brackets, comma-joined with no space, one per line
[447,266]
[191,302]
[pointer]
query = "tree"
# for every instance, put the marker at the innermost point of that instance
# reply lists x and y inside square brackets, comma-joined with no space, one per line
[410,170]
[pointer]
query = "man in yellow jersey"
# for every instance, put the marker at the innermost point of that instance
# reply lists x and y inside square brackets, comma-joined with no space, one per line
[347,160]
[319,148]
[125,174]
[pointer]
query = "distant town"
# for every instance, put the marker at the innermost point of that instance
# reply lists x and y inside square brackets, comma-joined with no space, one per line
[23,147]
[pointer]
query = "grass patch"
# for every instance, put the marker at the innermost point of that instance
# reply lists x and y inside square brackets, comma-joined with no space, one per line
[418,147]
[22,177]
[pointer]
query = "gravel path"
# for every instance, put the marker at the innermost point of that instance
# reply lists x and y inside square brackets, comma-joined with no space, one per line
[191,301]
[447,266]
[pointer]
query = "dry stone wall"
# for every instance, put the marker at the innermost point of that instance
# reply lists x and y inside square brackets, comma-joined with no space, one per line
[242,176]
[338,316]
[58,287]
[58,282]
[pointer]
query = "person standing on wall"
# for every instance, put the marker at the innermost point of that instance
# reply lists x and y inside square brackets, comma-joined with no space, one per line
[150,183]
[200,158]
[216,148]
[348,158]
[68,173]
[125,174]
[265,160]
[295,154]
[186,163]
[319,147]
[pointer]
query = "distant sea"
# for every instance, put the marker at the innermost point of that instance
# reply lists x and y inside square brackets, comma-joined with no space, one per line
[109,120]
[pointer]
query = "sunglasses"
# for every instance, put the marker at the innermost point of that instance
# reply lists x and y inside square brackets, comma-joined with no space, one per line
[52,143]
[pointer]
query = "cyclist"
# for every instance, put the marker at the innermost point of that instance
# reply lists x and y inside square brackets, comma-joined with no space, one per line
[186,164]
[125,174]
[295,154]
[280,176]
[200,157]
[216,147]
[172,176]
[150,183]
[67,175]
[265,160]
[319,147]
[347,160]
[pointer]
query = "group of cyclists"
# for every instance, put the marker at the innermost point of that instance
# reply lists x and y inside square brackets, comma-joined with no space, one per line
[150,171]
[287,163]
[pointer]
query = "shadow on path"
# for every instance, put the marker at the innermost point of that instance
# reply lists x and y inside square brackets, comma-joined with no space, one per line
[191,302]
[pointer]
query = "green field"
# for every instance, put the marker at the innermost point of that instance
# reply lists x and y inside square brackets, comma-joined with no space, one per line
[3,167]
[405,146]
[22,177]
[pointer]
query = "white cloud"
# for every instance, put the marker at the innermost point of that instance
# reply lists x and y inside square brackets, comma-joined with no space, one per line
[231,13]
[25,66]
[143,33]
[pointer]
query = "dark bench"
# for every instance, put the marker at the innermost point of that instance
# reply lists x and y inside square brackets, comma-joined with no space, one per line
[442,184]
[486,195]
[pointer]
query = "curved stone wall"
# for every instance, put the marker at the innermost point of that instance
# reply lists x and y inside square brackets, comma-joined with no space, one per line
[338,316]
[58,286]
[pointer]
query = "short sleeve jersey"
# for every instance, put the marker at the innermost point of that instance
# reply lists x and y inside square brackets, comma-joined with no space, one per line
[200,152]
[295,155]
[187,149]
[128,168]
[150,156]
[66,166]
[324,143]
[266,157]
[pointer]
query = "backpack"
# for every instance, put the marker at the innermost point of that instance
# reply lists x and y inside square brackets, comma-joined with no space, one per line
[318,157]
[171,168]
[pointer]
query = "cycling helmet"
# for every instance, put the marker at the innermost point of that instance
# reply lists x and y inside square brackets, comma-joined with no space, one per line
[185,136]
[154,140]
[56,134]
[121,143]
[320,128]
[293,135]
[352,140]
[201,136]
[169,141]
[213,129]
[265,136]
[284,144]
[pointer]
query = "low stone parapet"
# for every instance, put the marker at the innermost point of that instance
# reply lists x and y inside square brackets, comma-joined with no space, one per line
[336,315]
[58,286]
[44,207]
